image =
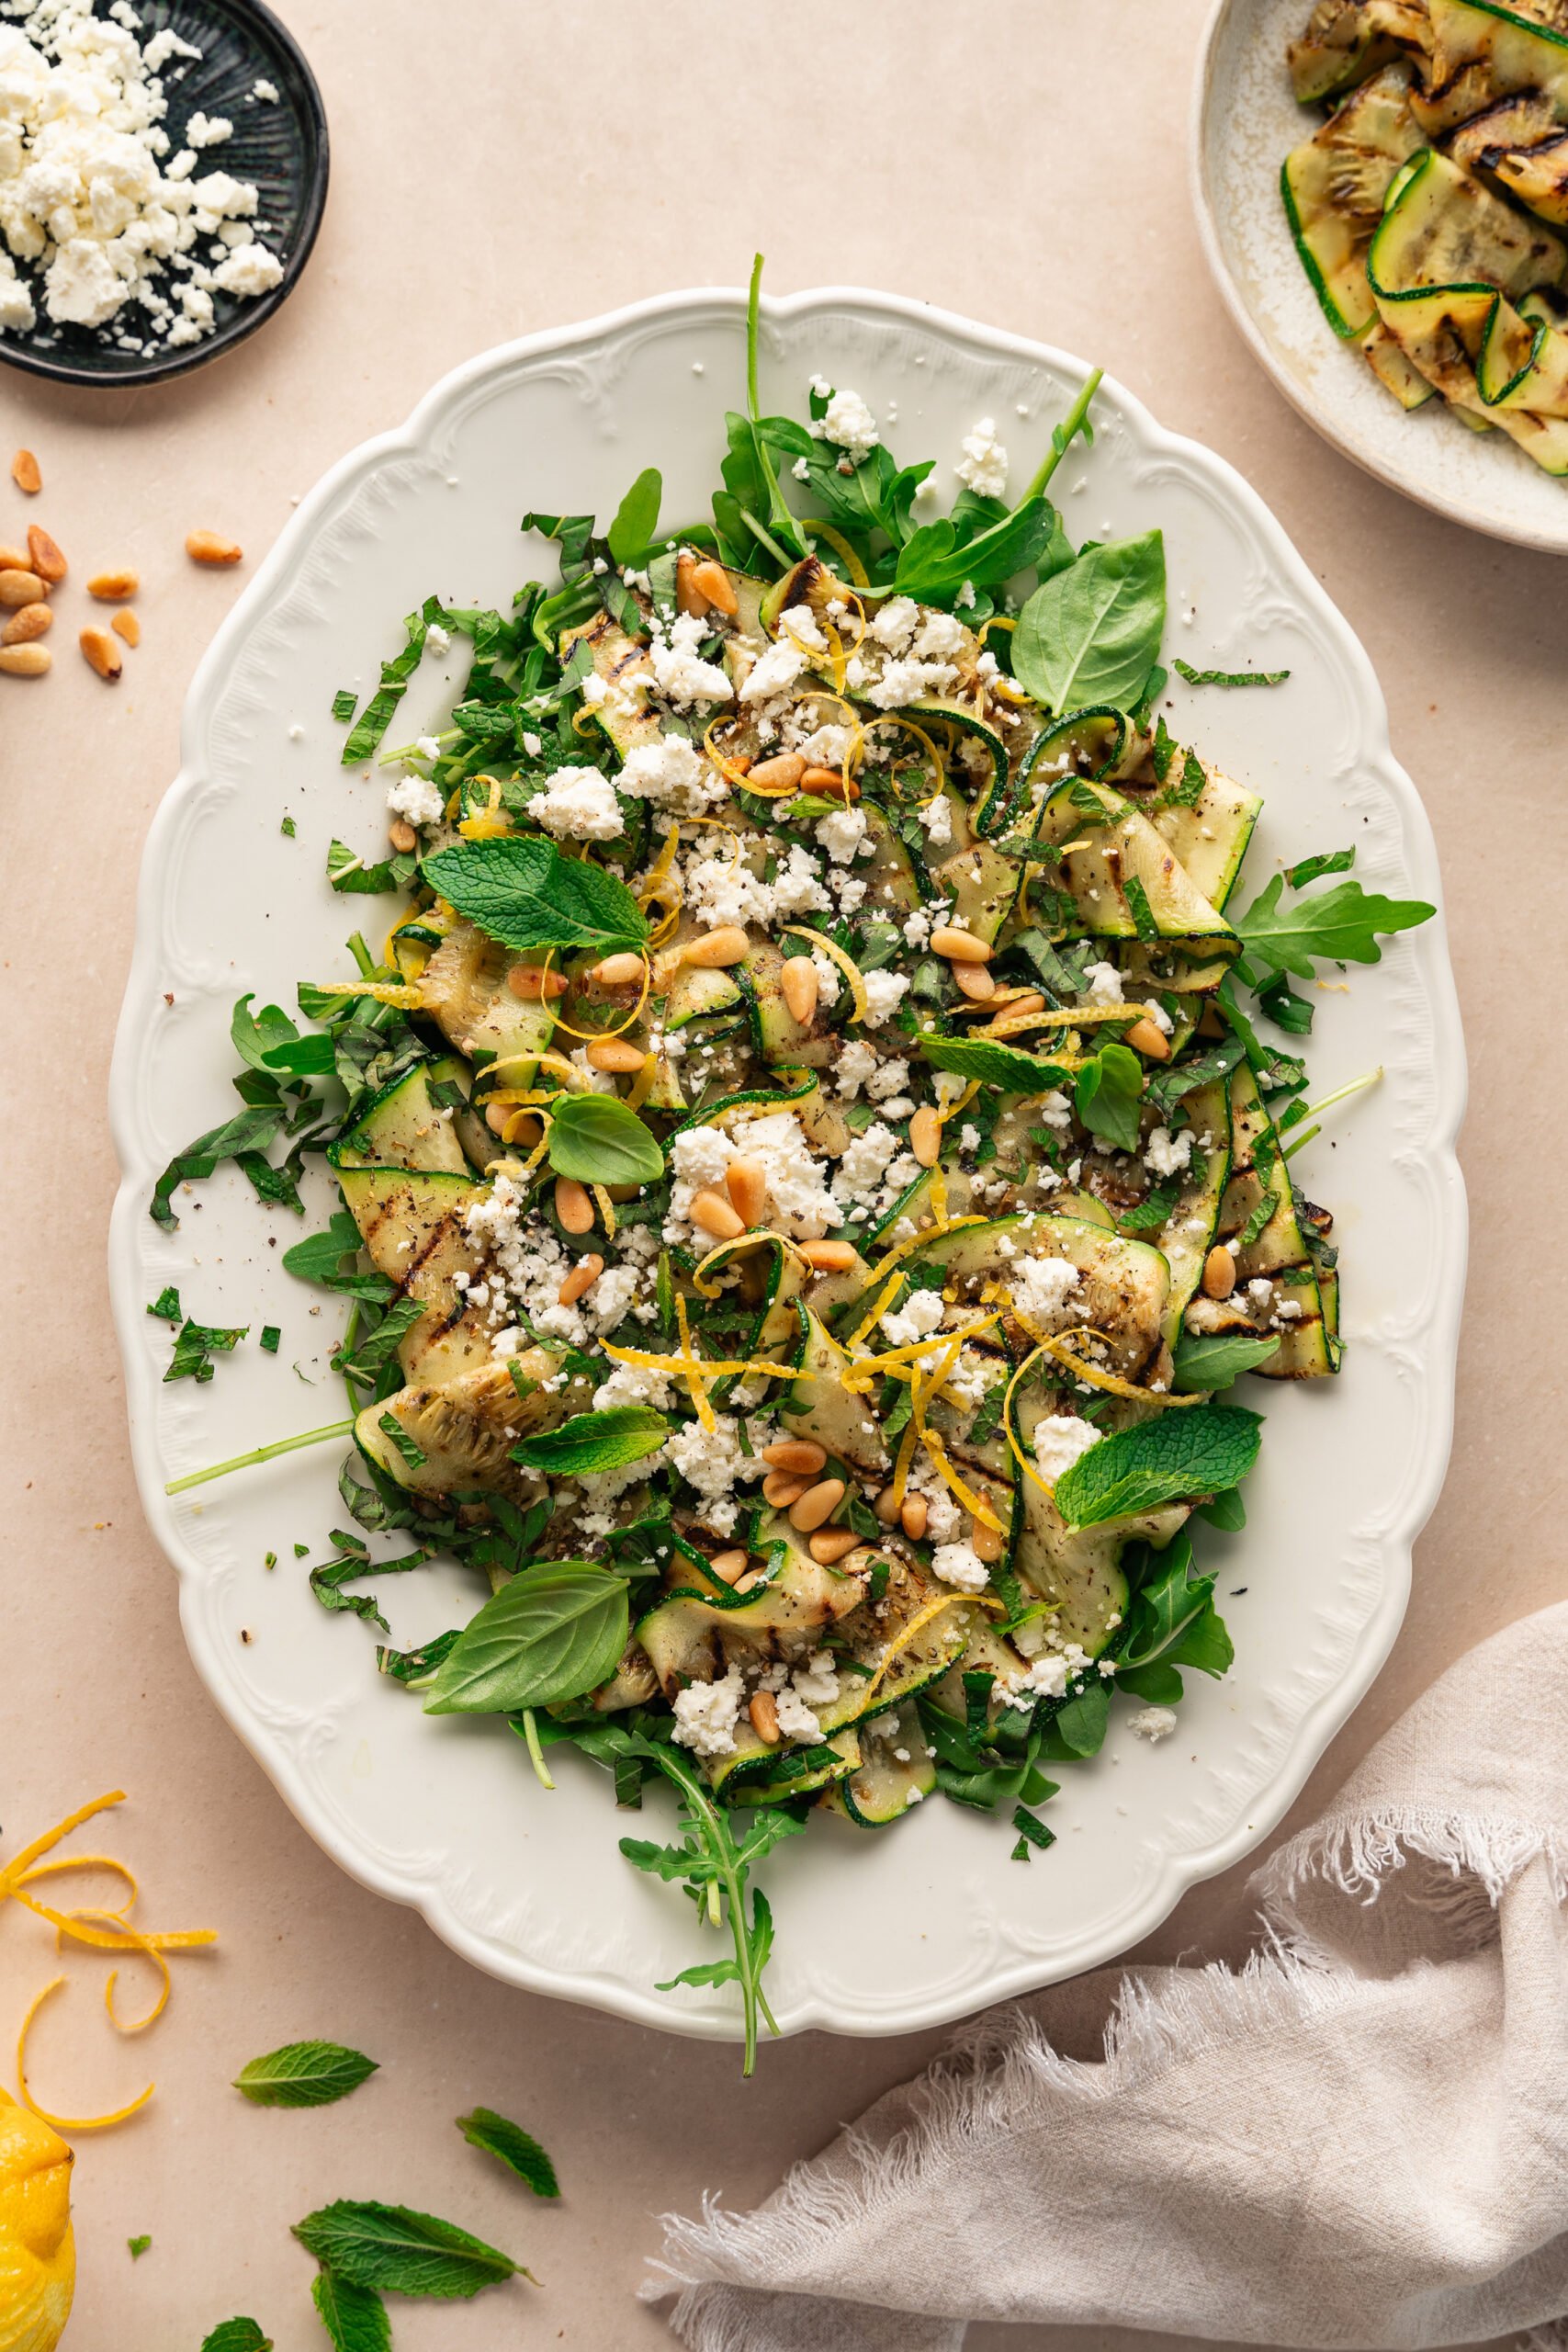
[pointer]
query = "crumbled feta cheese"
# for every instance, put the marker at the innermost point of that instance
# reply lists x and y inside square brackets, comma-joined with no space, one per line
[895,625]
[921,1313]
[859,1182]
[673,774]
[706,1714]
[856,1064]
[892,1076]
[712,1462]
[578,803]
[796,1200]
[960,1564]
[940,637]
[906,681]
[1104,984]
[885,992]
[1058,1439]
[774,672]
[984,465]
[1154,1724]
[679,674]
[1167,1154]
[937,819]
[841,833]
[634,1383]
[250,270]
[415,799]
[264,92]
[208,130]
[848,423]
[438,640]
[801,625]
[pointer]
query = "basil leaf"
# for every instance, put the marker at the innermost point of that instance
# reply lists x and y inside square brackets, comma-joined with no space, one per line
[392,2250]
[637,517]
[1091,633]
[1169,1458]
[514,2147]
[1006,1068]
[1230,677]
[236,2336]
[303,2074]
[1339,926]
[524,893]
[1205,1365]
[1105,1095]
[355,2317]
[592,1441]
[553,1632]
[598,1139]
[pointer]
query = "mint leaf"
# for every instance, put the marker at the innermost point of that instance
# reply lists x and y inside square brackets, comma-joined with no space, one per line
[1006,1068]
[523,892]
[167,1307]
[1205,1365]
[318,1258]
[345,702]
[1105,1095]
[1092,633]
[137,2247]
[1173,1458]
[236,2336]
[637,517]
[195,1343]
[553,1632]
[594,1441]
[395,2251]
[599,1139]
[514,2146]
[355,2317]
[1339,926]
[382,1344]
[303,2074]
[248,1131]
[1229,677]
[395,675]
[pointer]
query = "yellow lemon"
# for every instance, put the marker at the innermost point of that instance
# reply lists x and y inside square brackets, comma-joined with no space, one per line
[37,2250]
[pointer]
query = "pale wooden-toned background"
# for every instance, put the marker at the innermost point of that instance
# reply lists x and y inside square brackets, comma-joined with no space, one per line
[500,168]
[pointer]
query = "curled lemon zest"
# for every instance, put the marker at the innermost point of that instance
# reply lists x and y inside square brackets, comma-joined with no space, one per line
[733,774]
[875,1316]
[44,2114]
[607,1209]
[1018,1453]
[1110,1382]
[658,872]
[918,1623]
[700,1397]
[916,1241]
[744,1242]
[642,1083]
[408,995]
[974,1504]
[705,1367]
[491,820]
[820,528]
[846,963]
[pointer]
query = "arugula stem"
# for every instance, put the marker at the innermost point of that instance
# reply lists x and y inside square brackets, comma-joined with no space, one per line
[753,301]
[358,950]
[771,544]
[1315,1110]
[350,1333]
[531,1733]
[716,1830]
[260,1453]
[1064,435]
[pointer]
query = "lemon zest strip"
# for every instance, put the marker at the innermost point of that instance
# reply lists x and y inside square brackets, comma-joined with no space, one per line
[65,2123]
[917,1241]
[744,1242]
[846,963]
[974,1504]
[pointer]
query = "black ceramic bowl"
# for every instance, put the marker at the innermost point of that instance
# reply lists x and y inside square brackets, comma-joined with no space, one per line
[281,147]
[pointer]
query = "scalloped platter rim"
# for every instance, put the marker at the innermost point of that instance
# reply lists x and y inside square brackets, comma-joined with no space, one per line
[930,1921]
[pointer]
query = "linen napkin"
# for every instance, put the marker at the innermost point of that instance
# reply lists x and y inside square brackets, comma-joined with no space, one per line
[1360,2139]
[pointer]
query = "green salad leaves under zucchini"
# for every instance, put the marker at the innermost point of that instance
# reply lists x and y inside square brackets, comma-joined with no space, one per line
[814,1154]
[1427,208]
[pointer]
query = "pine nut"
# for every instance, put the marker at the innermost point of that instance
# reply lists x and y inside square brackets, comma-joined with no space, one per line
[959,946]
[1146,1039]
[727,1566]
[688,596]
[913,1516]
[974,981]
[25,473]
[14,560]
[615,1053]
[206,546]
[497,1114]
[26,622]
[712,583]
[781,1488]
[18,587]
[574,1210]
[402,835]
[582,1278]
[1011,1003]
[801,1454]
[753,1577]
[47,559]
[801,986]
[764,1714]
[925,1135]
[102,652]
[886,1506]
[828,783]
[987,1541]
[126,625]
[745,1181]
[831,1545]
[728,944]
[714,1216]
[25,661]
[828,1257]
[535,984]
[617,971]
[781,773]
[1219,1273]
[817,1505]
[112,587]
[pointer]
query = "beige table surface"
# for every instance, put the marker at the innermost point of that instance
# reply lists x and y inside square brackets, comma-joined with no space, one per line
[500,167]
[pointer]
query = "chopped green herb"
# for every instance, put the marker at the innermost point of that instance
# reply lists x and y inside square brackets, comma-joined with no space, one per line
[270,1337]
[1229,677]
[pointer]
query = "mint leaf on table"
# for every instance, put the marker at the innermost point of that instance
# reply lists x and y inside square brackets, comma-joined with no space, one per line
[1173,1458]
[392,2250]
[345,702]
[594,1441]
[1092,633]
[513,2146]
[599,1139]
[1339,926]
[236,2336]
[552,1633]
[304,2074]
[524,893]
[1107,1092]
[1006,1067]
[1205,1364]
[355,2317]
[1229,677]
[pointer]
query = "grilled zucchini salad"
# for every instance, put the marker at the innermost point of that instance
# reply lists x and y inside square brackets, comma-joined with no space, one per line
[810,1170]
[1427,208]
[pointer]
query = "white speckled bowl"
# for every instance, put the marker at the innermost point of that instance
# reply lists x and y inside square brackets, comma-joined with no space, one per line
[877,1934]
[1244,122]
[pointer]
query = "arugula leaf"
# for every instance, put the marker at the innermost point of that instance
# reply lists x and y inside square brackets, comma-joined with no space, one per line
[375,717]
[237,2336]
[1172,1618]
[1312,869]
[1171,1458]
[936,561]
[1105,1095]
[395,2251]
[1006,1068]
[1229,677]
[1205,1365]
[514,2147]
[1340,926]
[303,2074]
[599,1139]
[249,1130]
[554,1633]
[1091,633]
[319,1256]
[355,2317]
[524,893]
[253,1035]
[637,517]
[592,1441]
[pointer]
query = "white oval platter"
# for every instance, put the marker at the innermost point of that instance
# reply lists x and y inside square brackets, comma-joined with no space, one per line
[875,1934]
[1244,122]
